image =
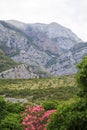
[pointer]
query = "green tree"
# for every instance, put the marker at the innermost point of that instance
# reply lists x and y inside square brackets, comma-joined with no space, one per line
[82,77]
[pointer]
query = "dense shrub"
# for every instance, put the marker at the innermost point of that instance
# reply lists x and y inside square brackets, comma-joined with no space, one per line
[10,118]
[11,122]
[14,107]
[3,111]
[82,77]
[2,104]
[50,105]
[71,117]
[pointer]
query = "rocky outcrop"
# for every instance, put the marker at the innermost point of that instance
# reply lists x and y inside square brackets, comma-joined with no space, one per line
[19,72]
[15,100]
[24,71]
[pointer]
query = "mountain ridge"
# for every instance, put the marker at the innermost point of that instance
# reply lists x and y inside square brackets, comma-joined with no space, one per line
[50,46]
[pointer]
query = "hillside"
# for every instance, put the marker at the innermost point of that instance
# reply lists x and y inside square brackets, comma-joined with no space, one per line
[51,47]
[35,90]
[6,62]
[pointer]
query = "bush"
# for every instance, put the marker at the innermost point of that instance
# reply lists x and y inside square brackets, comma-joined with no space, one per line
[49,105]
[3,111]
[2,103]
[11,122]
[10,118]
[71,117]
[82,77]
[14,107]
[35,118]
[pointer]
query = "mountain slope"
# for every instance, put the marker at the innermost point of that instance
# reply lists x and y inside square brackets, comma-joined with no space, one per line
[6,62]
[52,37]
[52,47]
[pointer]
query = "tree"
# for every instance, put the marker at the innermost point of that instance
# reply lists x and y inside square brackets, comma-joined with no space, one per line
[81,77]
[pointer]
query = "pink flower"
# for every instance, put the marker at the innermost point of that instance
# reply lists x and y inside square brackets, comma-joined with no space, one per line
[26,129]
[23,123]
[35,118]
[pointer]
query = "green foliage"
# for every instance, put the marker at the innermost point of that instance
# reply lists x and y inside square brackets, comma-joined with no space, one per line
[14,107]
[60,93]
[50,105]
[6,62]
[10,118]
[11,122]
[82,77]
[70,117]
[3,112]
[52,82]
[2,104]
[54,88]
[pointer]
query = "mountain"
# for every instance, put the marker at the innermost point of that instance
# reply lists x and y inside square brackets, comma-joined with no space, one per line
[6,62]
[52,48]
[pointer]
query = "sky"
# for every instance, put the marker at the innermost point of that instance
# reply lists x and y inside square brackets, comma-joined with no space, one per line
[69,13]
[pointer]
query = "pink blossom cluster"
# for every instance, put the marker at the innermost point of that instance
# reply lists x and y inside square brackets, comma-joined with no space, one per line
[35,118]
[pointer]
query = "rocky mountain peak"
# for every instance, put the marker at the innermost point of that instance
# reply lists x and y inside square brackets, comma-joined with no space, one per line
[50,46]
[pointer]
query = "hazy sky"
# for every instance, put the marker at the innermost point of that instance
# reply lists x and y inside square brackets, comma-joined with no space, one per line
[69,13]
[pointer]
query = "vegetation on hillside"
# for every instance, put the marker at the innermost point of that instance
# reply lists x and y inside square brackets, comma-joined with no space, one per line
[57,88]
[6,62]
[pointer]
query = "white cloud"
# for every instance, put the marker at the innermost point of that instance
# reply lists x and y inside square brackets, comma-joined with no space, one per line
[70,13]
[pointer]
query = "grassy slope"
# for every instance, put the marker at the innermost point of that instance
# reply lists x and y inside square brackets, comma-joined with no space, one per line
[6,63]
[56,88]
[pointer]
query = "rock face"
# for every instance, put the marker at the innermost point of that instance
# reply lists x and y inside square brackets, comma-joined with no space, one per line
[19,72]
[66,63]
[52,47]
[24,71]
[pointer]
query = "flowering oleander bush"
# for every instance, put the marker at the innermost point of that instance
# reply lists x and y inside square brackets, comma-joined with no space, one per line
[35,118]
